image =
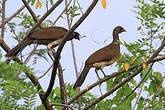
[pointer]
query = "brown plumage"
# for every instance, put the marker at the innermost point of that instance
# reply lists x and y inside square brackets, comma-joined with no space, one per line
[102,57]
[42,36]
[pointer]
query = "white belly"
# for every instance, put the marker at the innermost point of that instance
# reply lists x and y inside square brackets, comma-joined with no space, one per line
[102,64]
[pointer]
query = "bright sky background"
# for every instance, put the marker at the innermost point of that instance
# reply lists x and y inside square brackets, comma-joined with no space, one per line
[97,27]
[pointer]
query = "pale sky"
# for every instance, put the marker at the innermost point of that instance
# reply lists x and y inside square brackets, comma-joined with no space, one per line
[97,27]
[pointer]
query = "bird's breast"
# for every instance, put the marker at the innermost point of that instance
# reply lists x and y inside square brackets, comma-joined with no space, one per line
[102,64]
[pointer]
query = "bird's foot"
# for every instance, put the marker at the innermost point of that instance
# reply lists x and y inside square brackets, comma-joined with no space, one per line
[51,53]
[103,73]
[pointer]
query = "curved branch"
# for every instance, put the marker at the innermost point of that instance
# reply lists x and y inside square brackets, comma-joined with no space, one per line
[31,11]
[3,19]
[126,79]
[139,82]
[117,86]
[57,55]
[110,76]
[17,12]
[44,17]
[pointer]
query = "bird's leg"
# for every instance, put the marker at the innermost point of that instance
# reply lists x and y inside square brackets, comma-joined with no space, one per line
[96,70]
[103,72]
[50,56]
[50,45]
[51,51]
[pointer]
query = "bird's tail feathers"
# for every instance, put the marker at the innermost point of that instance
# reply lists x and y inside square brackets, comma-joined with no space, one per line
[18,48]
[82,77]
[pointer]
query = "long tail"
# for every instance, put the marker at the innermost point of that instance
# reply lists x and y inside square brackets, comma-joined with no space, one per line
[82,77]
[18,48]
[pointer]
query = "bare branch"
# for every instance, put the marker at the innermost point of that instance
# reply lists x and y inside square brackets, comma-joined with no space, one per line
[139,82]
[3,20]
[117,86]
[73,54]
[45,72]
[17,12]
[62,85]
[127,79]
[44,17]
[62,13]
[108,77]
[31,53]
[31,11]
[57,55]
[138,97]
[157,89]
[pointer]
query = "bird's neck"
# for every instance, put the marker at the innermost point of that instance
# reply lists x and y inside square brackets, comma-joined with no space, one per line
[115,37]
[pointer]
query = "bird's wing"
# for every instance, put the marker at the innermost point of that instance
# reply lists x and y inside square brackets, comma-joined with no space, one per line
[52,33]
[104,54]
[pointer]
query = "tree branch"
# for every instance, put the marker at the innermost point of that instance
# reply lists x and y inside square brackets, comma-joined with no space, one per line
[3,19]
[117,86]
[62,13]
[139,82]
[45,72]
[44,17]
[127,79]
[110,76]
[57,55]
[31,11]
[62,85]
[12,16]
[31,76]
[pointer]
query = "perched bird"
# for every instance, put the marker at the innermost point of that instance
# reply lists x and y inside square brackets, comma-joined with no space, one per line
[102,57]
[50,36]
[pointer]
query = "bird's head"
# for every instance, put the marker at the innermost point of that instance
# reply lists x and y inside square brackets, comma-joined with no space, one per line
[76,35]
[119,29]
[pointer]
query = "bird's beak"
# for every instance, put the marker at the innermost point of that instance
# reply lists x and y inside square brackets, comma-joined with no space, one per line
[82,36]
[124,30]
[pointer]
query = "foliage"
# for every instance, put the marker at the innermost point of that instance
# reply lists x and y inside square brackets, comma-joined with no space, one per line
[152,16]
[14,89]
[17,92]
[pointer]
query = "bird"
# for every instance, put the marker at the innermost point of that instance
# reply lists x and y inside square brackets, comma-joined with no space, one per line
[51,36]
[102,57]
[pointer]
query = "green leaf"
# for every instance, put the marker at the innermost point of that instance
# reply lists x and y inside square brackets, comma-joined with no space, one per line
[32,2]
[51,2]
[109,84]
[158,76]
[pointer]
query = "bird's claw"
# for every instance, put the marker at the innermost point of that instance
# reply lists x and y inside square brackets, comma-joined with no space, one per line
[51,53]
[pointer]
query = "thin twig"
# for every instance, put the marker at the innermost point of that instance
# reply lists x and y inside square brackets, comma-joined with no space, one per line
[67,16]
[45,72]
[57,55]
[33,79]
[139,82]
[16,13]
[157,89]
[44,17]
[63,105]
[62,13]
[31,53]
[117,86]
[62,85]
[127,79]
[73,54]
[111,76]
[3,20]
[31,12]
